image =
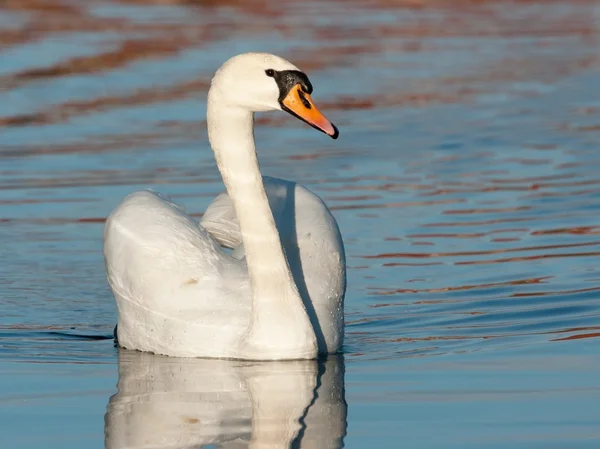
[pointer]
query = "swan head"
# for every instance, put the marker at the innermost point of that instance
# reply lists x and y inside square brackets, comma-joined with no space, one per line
[260,82]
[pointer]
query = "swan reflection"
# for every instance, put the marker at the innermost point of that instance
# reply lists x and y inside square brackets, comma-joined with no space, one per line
[165,402]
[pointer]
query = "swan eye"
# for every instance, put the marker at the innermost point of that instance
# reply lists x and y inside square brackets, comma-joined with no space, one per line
[270,72]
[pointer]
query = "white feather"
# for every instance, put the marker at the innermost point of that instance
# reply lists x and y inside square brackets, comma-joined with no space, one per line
[279,295]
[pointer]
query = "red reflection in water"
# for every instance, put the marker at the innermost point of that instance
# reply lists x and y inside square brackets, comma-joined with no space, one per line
[461,287]
[578,336]
[482,252]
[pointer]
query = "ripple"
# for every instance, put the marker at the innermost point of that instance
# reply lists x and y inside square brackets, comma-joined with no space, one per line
[468,186]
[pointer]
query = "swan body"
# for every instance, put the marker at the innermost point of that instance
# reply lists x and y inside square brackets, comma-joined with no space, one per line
[279,294]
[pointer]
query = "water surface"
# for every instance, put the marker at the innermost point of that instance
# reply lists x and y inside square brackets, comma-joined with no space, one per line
[464,182]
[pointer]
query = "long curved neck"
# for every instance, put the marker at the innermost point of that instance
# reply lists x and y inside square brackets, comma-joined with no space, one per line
[231,135]
[279,326]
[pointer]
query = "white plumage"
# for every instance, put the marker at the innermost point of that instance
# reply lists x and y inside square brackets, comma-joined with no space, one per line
[278,295]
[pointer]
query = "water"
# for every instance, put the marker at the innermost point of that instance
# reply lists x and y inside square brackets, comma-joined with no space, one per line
[464,182]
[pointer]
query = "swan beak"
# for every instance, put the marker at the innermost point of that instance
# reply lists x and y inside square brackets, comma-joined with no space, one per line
[299,104]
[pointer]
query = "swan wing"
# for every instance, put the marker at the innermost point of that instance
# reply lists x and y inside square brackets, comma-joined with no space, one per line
[177,292]
[221,222]
[313,247]
[297,211]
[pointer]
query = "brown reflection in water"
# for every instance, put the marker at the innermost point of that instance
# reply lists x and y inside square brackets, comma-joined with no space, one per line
[319,155]
[91,220]
[52,221]
[101,144]
[26,201]
[537,280]
[578,336]
[488,337]
[591,128]
[117,178]
[128,52]
[407,264]
[576,230]
[466,235]
[554,292]
[45,18]
[68,110]
[352,198]
[561,193]
[161,39]
[484,223]
[528,258]
[432,338]
[485,211]
[484,252]
[396,204]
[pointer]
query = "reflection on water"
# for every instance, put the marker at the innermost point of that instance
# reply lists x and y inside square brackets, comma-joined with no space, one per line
[183,403]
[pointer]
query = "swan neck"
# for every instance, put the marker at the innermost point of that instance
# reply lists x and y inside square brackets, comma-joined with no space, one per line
[279,326]
[231,135]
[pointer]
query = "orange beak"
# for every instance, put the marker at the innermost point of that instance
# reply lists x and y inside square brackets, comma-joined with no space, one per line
[299,104]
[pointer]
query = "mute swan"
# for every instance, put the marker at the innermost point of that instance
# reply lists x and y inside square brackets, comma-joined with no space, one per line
[280,294]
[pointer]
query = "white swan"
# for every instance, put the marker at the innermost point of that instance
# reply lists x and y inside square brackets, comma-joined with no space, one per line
[280,295]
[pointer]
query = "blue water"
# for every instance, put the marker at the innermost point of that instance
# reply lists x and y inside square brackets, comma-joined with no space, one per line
[464,182]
